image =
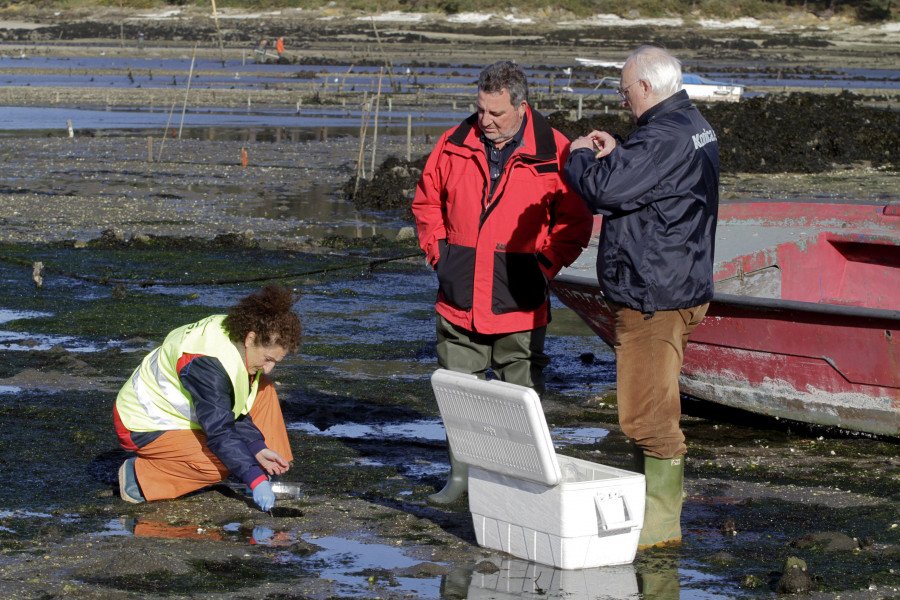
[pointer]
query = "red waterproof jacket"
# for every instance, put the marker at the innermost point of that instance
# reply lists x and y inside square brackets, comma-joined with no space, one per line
[495,254]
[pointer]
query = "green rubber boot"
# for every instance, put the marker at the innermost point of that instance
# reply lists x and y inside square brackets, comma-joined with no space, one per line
[662,513]
[456,485]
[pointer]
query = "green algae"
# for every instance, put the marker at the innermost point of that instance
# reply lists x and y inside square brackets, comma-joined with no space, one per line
[206,576]
[41,427]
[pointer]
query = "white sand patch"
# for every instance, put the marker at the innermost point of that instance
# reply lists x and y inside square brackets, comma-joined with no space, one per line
[890,27]
[173,13]
[19,25]
[604,20]
[514,20]
[746,23]
[395,16]
[470,18]
[245,15]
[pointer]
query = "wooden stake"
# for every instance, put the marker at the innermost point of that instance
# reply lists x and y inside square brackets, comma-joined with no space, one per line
[408,137]
[360,166]
[375,129]
[71,131]
[149,149]
[163,143]
[187,90]
[383,55]
[218,33]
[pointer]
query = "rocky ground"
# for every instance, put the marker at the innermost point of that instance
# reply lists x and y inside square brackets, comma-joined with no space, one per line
[759,491]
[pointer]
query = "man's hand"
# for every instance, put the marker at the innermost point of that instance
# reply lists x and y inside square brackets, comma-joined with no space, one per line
[272,462]
[600,142]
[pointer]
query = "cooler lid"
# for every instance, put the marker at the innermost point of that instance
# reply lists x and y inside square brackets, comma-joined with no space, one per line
[496,426]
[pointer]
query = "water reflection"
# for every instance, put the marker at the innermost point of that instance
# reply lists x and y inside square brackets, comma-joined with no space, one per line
[507,578]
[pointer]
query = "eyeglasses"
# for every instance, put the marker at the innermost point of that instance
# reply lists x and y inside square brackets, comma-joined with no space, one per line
[621,90]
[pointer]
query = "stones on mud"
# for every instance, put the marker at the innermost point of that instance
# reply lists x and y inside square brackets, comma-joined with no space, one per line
[37,273]
[423,570]
[405,233]
[242,239]
[728,527]
[486,567]
[721,558]
[832,541]
[303,548]
[752,582]
[795,578]
[110,237]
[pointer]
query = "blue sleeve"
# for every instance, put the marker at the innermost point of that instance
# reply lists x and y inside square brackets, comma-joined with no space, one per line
[232,442]
[620,182]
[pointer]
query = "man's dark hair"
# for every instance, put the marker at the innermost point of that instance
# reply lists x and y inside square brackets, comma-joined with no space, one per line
[507,75]
[269,314]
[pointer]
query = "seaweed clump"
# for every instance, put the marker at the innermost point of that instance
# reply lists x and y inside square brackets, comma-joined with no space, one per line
[797,133]
[392,186]
[804,133]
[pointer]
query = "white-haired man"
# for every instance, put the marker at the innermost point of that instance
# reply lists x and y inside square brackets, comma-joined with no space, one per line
[658,193]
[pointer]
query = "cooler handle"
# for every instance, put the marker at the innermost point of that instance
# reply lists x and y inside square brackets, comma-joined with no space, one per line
[605,506]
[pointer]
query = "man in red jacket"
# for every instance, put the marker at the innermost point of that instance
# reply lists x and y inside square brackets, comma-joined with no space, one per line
[497,222]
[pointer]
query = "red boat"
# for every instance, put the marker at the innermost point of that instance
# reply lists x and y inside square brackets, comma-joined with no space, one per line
[804,324]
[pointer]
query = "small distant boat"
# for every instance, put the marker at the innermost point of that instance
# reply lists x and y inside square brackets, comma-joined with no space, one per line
[698,88]
[701,88]
[590,62]
[804,324]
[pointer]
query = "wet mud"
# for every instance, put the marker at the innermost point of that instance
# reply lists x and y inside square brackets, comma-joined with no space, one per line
[132,248]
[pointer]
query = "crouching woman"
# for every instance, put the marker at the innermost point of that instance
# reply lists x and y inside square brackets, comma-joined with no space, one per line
[201,407]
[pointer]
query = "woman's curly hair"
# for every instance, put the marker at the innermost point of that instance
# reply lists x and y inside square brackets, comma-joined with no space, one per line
[269,314]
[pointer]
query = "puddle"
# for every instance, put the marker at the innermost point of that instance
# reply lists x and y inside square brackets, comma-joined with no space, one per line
[23,514]
[7,315]
[426,429]
[19,341]
[120,526]
[225,122]
[433,430]
[350,565]
[358,568]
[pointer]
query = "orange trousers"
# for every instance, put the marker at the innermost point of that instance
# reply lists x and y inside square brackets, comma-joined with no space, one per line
[179,461]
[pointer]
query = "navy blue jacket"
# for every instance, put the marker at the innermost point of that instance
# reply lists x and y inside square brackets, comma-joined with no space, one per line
[658,192]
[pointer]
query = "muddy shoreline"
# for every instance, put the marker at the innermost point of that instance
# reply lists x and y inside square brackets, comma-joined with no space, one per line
[758,490]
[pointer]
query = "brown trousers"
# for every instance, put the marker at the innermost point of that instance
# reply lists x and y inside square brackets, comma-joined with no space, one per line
[178,462]
[649,355]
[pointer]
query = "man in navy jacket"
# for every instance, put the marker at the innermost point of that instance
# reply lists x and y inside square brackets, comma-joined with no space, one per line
[658,193]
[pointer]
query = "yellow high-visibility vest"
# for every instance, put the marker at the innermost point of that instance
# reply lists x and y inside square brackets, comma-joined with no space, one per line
[153,398]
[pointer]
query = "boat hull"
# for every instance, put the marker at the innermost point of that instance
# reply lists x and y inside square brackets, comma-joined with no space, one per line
[805,330]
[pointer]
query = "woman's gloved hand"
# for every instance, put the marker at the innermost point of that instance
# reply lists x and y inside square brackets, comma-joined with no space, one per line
[264,496]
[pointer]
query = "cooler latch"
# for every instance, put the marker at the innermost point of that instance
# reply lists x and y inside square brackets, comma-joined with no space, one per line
[614,512]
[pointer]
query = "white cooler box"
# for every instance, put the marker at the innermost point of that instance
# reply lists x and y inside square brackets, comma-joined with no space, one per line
[524,498]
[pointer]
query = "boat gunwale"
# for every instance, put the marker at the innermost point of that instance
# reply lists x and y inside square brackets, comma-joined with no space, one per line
[822,308]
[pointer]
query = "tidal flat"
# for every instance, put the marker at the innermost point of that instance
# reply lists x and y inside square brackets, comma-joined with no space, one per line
[132,247]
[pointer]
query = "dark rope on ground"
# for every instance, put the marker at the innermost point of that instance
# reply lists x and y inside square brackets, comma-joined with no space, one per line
[370,264]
